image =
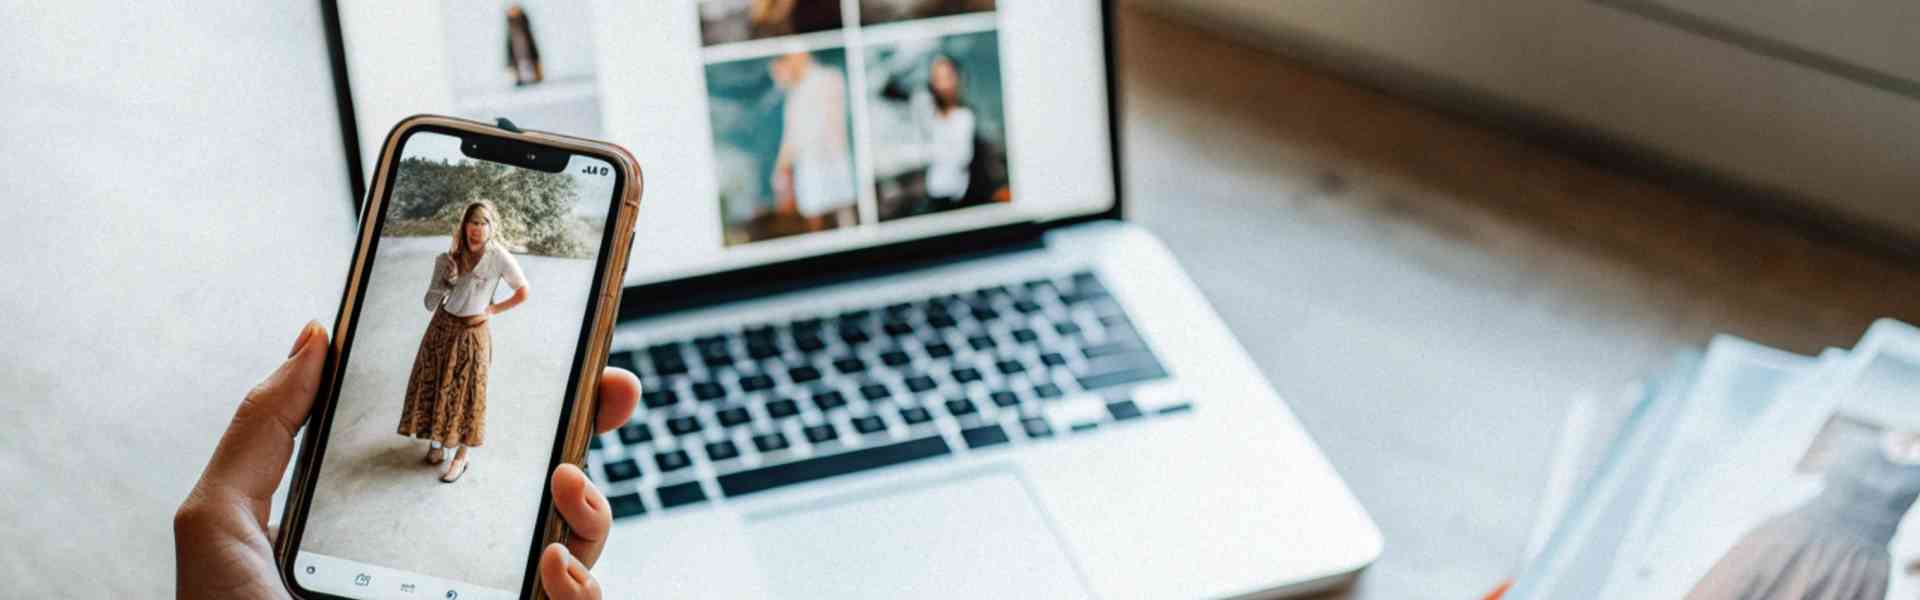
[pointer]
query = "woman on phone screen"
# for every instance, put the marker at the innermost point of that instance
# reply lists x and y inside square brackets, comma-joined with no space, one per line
[446,400]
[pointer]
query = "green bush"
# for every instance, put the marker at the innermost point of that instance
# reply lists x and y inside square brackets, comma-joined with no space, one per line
[535,208]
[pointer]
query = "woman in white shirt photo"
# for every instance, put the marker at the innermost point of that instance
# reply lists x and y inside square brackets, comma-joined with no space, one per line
[446,401]
[948,124]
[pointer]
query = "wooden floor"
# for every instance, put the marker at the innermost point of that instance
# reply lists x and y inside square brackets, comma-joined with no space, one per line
[1428,293]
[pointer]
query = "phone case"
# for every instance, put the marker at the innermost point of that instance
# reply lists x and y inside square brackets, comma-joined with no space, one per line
[580,420]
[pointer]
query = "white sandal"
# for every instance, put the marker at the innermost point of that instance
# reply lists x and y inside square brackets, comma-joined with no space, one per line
[452,476]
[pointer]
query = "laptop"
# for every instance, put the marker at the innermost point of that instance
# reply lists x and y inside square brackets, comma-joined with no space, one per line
[896,336]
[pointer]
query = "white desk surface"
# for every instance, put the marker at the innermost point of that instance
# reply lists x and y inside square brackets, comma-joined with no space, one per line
[1425,293]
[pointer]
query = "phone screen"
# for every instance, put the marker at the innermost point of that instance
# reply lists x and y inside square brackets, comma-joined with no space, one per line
[459,360]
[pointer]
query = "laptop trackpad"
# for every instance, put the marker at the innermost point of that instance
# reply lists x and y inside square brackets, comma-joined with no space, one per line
[977,536]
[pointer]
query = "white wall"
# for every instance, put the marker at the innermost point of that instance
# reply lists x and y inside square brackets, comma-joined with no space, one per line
[176,207]
[1850,149]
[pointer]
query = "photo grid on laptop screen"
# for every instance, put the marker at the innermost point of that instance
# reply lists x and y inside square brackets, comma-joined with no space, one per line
[771,130]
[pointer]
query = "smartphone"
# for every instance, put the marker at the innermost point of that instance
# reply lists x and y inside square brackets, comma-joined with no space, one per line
[466,355]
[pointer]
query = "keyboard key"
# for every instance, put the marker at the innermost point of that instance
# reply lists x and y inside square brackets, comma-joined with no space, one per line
[623,360]
[869,424]
[722,450]
[960,407]
[829,400]
[984,435]
[1123,410]
[1048,391]
[593,443]
[635,433]
[757,333]
[1120,369]
[671,460]
[915,415]
[1009,367]
[920,383]
[897,328]
[803,374]
[769,442]
[1025,336]
[1005,399]
[782,408]
[894,358]
[942,321]
[626,505]
[809,343]
[762,350]
[819,434]
[984,313]
[1111,348]
[732,417]
[966,375]
[660,399]
[1036,427]
[683,425]
[939,350]
[874,391]
[755,383]
[681,494]
[1053,359]
[980,342]
[708,391]
[1026,306]
[1066,328]
[854,336]
[758,480]
[670,367]
[622,470]
[849,365]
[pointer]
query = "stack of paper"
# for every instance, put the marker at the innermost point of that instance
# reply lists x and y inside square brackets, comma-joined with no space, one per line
[1743,472]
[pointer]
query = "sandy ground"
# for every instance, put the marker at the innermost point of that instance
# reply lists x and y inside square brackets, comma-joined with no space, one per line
[376,502]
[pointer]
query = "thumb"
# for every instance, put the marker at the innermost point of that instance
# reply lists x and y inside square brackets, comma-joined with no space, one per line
[253,453]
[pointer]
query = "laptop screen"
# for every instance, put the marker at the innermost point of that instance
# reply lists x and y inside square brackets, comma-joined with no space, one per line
[771,130]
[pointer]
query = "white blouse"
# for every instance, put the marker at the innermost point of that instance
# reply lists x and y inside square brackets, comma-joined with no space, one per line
[949,141]
[471,293]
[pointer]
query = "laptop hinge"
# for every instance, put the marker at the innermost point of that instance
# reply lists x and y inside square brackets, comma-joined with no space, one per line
[705,291]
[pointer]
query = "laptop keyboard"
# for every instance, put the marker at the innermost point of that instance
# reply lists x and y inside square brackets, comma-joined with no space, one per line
[739,412]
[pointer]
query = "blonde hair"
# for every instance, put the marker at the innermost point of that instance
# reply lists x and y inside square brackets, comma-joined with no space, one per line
[463,258]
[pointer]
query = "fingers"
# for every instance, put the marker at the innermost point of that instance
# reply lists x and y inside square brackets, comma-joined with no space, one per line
[585,510]
[619,392]
[565,578]
[252,454]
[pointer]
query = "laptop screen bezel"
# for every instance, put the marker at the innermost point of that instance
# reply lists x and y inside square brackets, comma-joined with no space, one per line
[640,300]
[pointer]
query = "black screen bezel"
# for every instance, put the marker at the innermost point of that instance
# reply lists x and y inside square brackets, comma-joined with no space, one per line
[330,386]
[640,301]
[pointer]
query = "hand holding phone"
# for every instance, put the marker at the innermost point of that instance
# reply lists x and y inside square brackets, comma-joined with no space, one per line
[427,464]
[221,548]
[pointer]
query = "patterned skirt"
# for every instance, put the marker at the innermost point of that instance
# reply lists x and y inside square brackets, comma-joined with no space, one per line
[447,391]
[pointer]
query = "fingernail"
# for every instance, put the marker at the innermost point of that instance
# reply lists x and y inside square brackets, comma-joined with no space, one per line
[566,558]
[306,333]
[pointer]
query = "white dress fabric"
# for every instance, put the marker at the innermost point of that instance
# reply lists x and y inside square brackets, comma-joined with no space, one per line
[471,293]
[949,141]
[815,133]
